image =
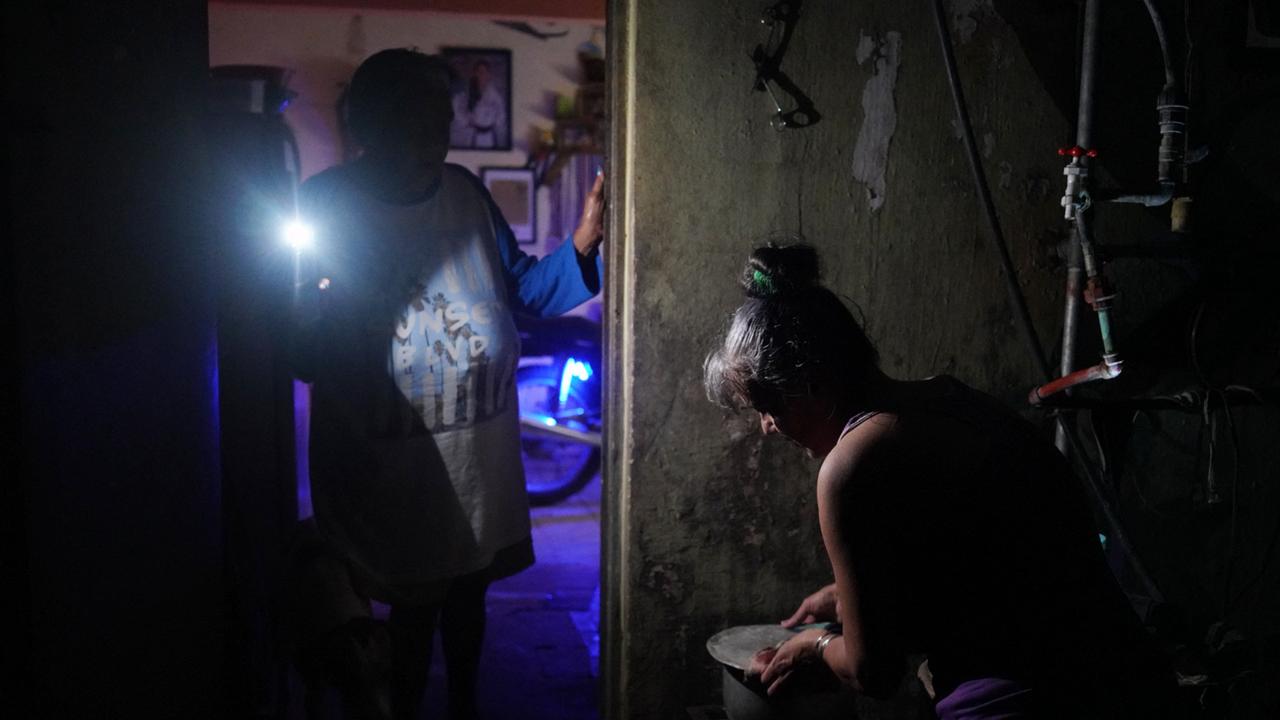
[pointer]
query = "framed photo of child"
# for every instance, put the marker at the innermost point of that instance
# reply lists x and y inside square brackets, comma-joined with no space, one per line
[481,95]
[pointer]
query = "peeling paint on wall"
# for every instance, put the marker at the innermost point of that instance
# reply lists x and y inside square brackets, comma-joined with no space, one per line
[879,116]
[865,47]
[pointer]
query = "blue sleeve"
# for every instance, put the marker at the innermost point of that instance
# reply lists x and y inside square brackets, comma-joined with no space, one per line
[553,285]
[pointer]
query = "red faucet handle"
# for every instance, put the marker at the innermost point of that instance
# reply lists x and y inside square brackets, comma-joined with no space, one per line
[1076,151]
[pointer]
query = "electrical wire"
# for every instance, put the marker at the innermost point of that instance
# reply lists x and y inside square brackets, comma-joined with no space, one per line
[1134,477]
[1192,347]
[1210,421]
[984,193]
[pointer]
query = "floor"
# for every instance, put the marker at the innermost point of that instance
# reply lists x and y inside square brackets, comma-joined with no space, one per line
[541,656]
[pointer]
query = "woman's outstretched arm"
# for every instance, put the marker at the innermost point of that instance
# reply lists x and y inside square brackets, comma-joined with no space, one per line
[856,474]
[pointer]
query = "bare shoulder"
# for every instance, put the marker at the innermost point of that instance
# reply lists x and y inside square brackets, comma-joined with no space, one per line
[862,455]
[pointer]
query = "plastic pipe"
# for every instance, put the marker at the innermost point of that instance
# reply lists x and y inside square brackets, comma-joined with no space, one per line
[1101,371]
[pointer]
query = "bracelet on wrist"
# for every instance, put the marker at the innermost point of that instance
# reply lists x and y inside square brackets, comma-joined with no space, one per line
[820,645]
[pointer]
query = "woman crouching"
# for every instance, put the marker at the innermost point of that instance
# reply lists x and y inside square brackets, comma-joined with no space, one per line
[953,528]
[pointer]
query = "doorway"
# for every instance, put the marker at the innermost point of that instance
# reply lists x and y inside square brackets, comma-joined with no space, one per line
[540,656]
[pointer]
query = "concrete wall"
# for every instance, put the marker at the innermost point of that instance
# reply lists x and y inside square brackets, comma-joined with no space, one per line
[708,524]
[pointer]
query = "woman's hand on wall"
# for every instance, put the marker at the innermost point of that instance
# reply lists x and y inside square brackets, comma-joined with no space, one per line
[590,231]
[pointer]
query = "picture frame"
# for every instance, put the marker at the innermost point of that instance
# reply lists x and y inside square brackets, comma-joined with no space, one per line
[481,97]
[513,190]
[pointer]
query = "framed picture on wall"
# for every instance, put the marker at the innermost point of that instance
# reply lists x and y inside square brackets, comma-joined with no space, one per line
[481,98]
[513,191]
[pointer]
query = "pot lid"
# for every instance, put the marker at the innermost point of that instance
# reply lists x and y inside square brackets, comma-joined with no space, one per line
[737,645]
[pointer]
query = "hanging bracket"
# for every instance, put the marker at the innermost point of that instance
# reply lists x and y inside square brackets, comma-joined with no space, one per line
[780,19]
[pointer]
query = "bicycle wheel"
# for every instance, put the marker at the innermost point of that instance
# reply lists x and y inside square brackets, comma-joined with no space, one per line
[554,469]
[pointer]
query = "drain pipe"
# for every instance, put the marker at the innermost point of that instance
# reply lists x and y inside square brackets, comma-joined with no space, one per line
[1172,107]
[1075,204]
[1070,321]
[1084,139]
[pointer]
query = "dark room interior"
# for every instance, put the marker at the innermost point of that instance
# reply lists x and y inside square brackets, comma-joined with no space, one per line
[1009,299]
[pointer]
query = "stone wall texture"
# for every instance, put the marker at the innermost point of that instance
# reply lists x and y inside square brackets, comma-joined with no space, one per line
[720,523]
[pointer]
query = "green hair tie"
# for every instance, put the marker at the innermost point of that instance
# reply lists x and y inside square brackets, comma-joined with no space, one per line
[763,282]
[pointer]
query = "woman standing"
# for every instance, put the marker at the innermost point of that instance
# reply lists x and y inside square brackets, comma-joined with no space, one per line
[953,529]
[409,340]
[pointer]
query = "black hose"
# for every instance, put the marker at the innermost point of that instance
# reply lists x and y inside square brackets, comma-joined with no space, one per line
[984,193]
[1169,77]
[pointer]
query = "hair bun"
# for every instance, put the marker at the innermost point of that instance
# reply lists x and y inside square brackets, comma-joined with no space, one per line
[777,271]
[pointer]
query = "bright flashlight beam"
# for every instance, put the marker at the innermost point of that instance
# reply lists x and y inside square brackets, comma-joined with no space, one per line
[299,235]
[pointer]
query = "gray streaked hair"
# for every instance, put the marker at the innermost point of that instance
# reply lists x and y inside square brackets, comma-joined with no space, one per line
[791,334]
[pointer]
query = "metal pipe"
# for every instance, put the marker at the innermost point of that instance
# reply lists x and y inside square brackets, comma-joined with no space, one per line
[532,426]
[1076,173]
[1070,322]
[1077,170]
[1076,184]
[1172,108]
[1088,73]
[1149,199]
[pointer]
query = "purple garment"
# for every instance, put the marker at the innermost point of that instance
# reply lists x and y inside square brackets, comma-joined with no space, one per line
[987,698]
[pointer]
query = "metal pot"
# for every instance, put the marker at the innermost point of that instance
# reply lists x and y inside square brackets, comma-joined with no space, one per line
[811,694]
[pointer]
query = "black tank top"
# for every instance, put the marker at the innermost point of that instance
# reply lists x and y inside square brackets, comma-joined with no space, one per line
[991,547]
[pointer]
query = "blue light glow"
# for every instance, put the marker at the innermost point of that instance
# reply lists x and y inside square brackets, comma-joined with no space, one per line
[539,417]
[573,369]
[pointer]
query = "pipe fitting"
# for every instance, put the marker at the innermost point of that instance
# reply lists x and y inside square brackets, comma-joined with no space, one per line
[1109,368]
[1172,108]
[1076,172]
